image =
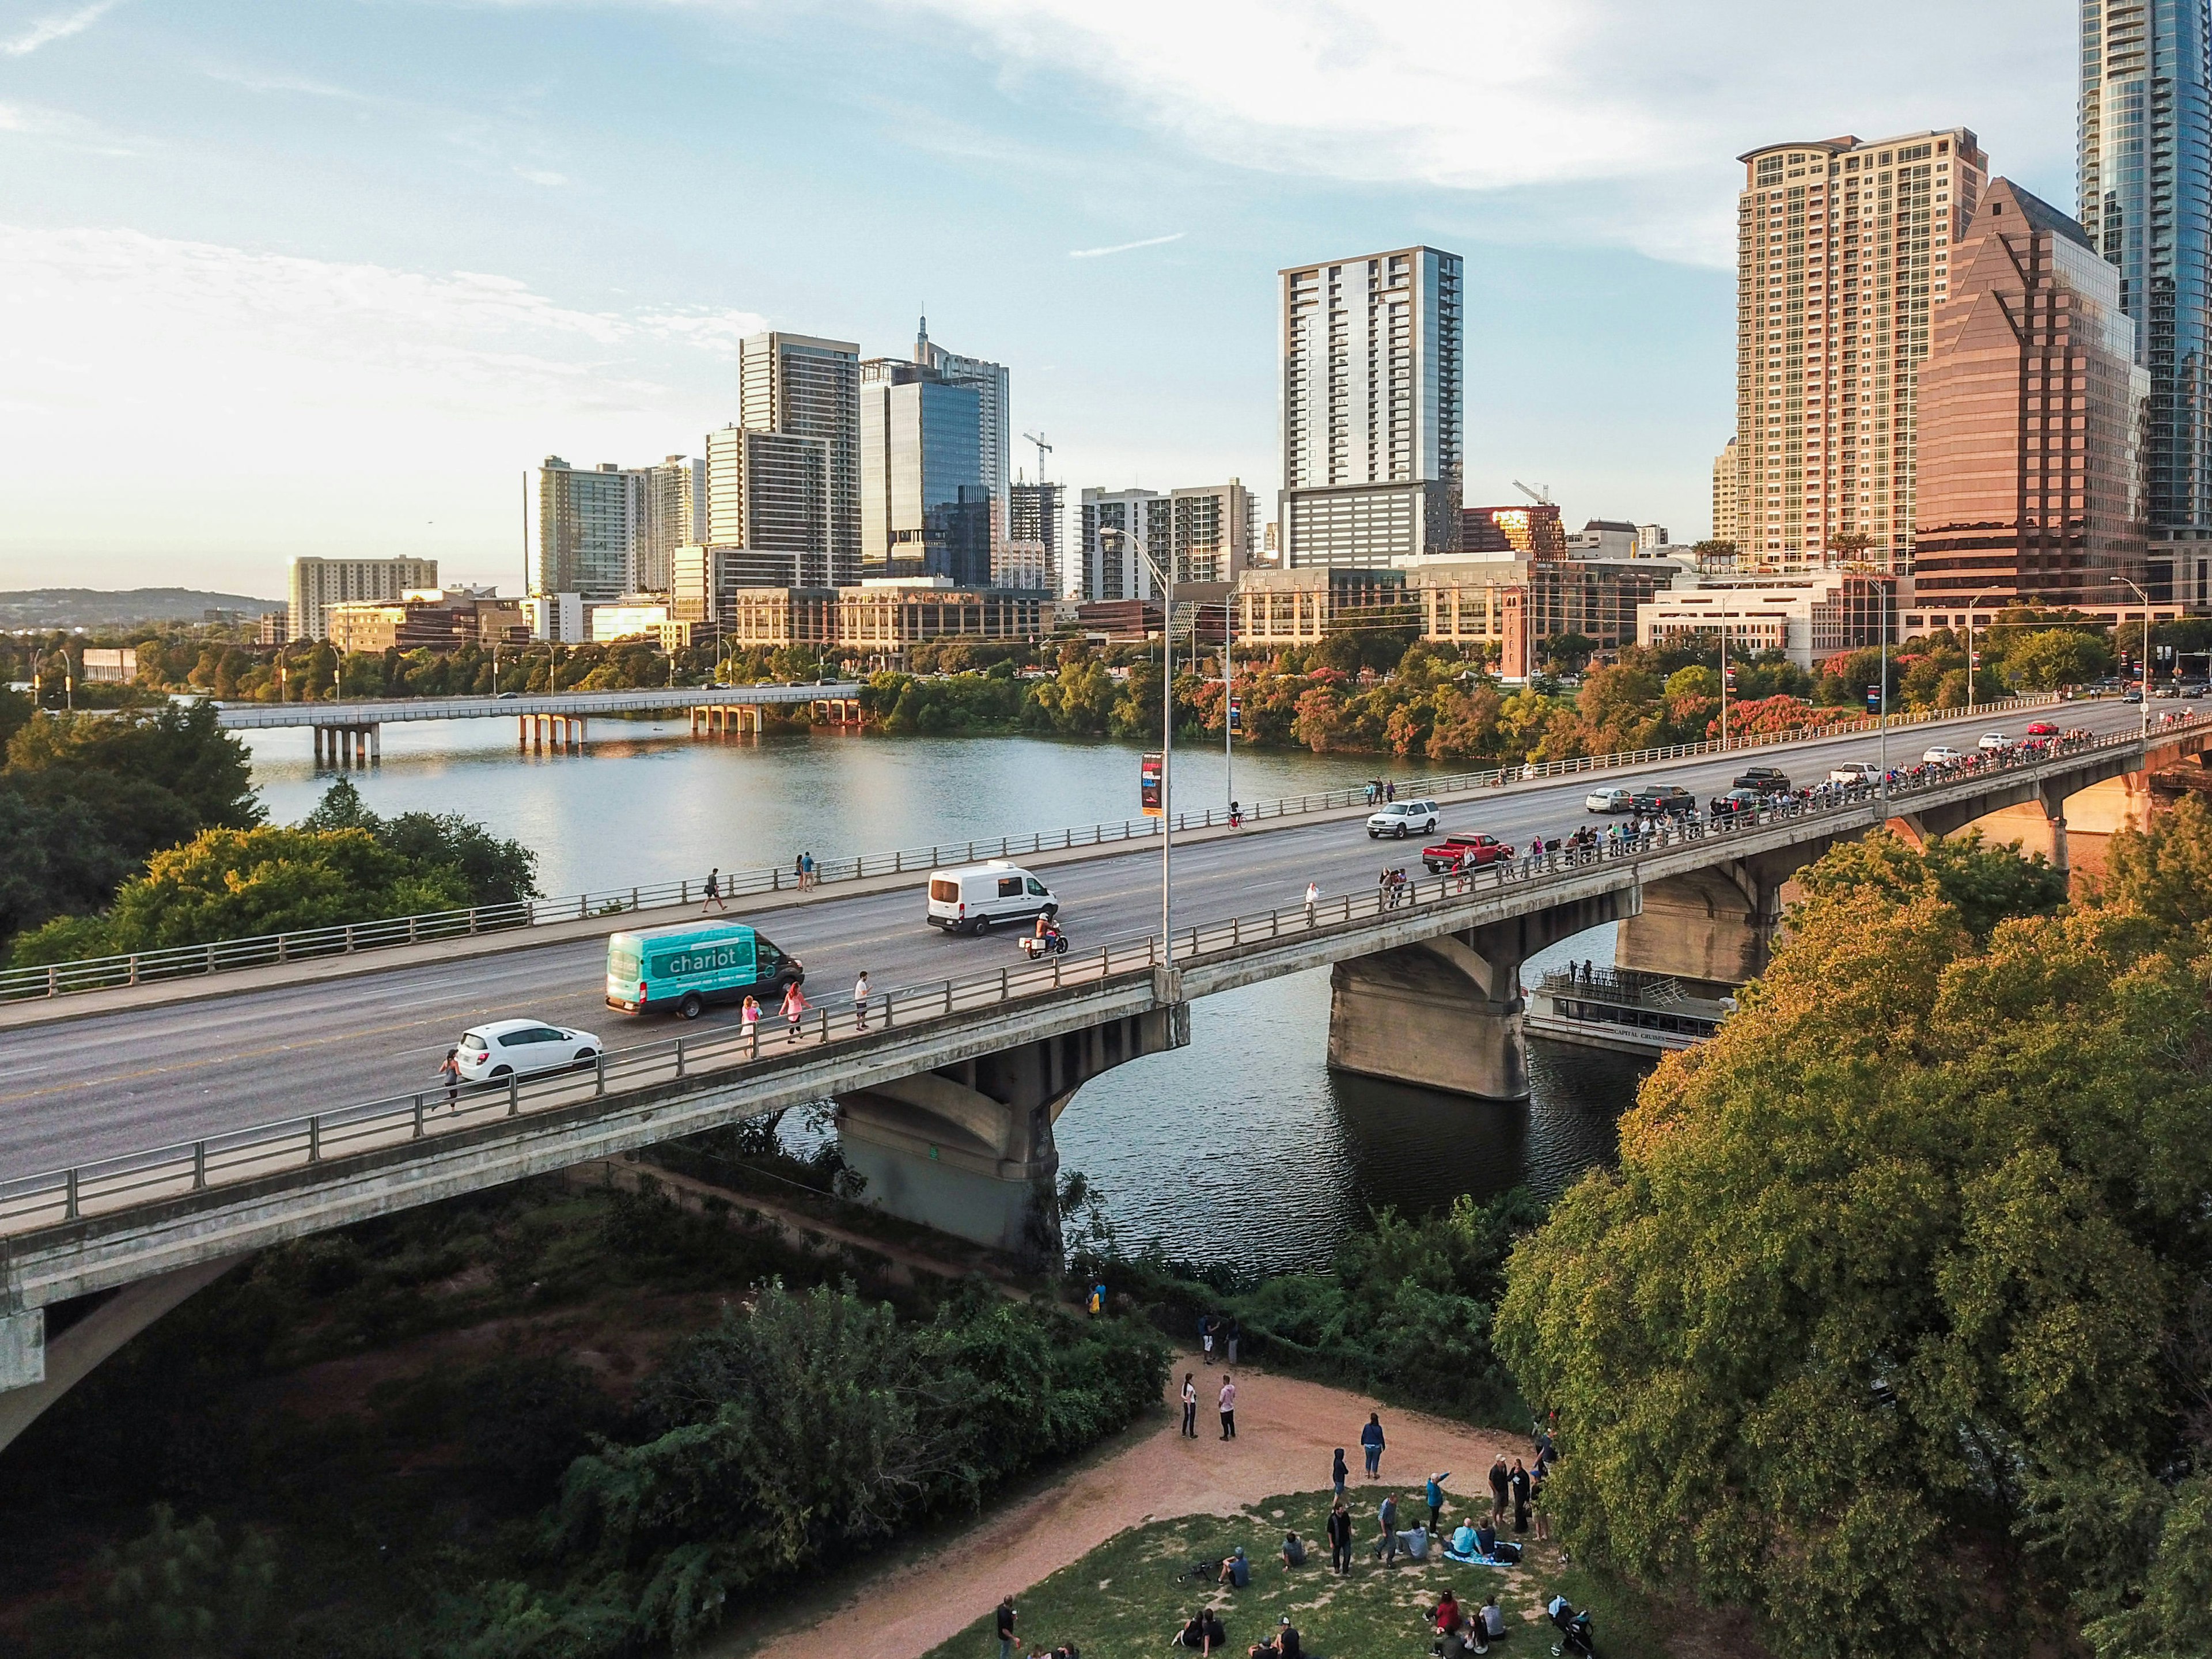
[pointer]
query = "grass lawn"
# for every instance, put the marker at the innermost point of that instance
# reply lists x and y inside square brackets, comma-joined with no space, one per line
[1131,1593]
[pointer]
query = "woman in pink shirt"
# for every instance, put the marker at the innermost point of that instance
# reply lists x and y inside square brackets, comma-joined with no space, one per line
[794,1008]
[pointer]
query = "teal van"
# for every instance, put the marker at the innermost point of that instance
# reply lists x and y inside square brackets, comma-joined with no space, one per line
[683,967]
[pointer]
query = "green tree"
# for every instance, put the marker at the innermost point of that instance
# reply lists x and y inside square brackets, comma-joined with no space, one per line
[1889,1262]
[1984,884]
[182,1591]
[2048,657]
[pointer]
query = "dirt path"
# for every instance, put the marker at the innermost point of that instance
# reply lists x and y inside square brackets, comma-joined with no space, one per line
[1286,1430]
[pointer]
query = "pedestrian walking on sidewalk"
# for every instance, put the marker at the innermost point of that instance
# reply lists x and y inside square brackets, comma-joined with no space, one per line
[860,1000]
[749,1018]
[1189,1407]
[1228,1408]
[794,1008]
[1313,898]
[450,1070]
[713,891]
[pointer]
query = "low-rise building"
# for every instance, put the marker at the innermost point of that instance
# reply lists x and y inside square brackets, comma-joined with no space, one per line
[1807,617]
[110,666]
[315,584]
[770,618]
[1303,605]
[1531,530]
[884,617]
[438,618]
[634,616]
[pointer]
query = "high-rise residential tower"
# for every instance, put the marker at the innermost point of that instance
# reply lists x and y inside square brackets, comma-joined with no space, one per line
[1724,488]
[317,584]
[2031,413]
[1843,257]
[770,492]
[811,388]
[669,497]
[994,400]
[1371,407]
[1212,531]
[926,503]
[1033,517]
[1120,527]
[2144,130]
[586,520]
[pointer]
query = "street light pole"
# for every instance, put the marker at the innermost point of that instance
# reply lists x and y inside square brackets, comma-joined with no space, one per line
[2143,726]
[1166,581]
[1882,657]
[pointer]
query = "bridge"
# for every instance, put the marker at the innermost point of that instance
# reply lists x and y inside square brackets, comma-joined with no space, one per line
[352,733]
[147,1146]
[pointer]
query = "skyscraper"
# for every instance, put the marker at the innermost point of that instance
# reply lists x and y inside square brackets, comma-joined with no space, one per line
[1372,410]
[770,492]
[1842,254]
[1213,532]
[585,520]
[669,497]
[2144,130]
[926,505]
[2031,412]
[811,388]
[317,584]
[993,401]
[1120,527]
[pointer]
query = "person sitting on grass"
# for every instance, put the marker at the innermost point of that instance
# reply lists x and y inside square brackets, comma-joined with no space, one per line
[1485,1539]
[1415,1542]
[1294,1551]
[1490,1619]
[1446,1612]
[1235,1569]
[1463,1540]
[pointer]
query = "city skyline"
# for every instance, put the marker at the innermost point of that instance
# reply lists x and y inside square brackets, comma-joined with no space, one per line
[309,246]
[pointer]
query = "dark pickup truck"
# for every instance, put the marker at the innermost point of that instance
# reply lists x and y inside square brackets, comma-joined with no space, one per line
[1668,798]
[1766,779]
[1456,852]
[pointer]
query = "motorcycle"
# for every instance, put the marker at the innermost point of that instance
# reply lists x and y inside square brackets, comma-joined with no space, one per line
[1053,943]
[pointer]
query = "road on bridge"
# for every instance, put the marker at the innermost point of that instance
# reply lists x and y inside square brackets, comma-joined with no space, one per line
[101,1086]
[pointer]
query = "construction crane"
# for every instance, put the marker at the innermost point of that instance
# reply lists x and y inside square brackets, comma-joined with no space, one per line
[1044,449]
[1541,495]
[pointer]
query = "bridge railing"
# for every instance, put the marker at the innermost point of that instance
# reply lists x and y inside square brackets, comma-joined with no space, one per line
[121,969]
[116,1185]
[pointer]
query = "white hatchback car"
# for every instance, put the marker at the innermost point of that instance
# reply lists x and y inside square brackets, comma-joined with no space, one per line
[493,1053]
[1403,818]
[1941,752]
[1608,800]
[1994,742]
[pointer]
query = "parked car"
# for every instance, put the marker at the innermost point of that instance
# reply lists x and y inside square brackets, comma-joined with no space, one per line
[1855,772]
[1994,743]
[976,898]
[2133,693]
[1403,818]
[1456,852]
[1941,752]
[1766,779]
[1616,800]
[517,1048]
[1668,800]
[2042,729]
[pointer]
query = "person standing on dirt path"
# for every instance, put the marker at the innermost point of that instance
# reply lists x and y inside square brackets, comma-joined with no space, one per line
[1006,1628]
[1228,1408]
[1206,1323]
[1501,1481]
[1189,1407]
[1339,1474]
[1370,1441]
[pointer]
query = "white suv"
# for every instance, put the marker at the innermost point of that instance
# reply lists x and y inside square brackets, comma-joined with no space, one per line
[1403,818]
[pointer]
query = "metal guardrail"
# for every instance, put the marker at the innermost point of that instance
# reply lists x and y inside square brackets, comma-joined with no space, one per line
[113,1185]
[268,950]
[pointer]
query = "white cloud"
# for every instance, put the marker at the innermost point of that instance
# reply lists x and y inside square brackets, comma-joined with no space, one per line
[269,403]
[540,176]
[1487,95]
[47,30]
[1124,247]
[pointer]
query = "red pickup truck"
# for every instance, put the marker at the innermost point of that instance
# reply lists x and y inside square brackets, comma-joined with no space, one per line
[1456,852]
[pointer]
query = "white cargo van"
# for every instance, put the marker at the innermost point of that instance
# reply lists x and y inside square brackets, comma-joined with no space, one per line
[978,897]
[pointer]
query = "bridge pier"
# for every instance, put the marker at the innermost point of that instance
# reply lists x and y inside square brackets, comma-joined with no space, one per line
[968,1149]
[1712,929]
[349,747]
[1445,1013]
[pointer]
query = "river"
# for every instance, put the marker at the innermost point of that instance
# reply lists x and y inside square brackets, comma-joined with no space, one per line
[1242,1147]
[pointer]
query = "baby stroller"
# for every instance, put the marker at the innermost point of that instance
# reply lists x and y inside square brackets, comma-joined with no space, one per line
[1574,1628]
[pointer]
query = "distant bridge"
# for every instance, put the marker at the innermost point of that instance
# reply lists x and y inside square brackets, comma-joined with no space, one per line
[350,731]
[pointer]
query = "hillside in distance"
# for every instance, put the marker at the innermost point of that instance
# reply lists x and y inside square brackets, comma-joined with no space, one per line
[92,607]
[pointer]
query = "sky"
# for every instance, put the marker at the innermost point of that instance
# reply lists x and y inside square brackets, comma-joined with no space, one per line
[331,277]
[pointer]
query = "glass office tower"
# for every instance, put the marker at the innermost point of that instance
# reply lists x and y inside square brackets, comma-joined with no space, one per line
[2145,135]
[925,501]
